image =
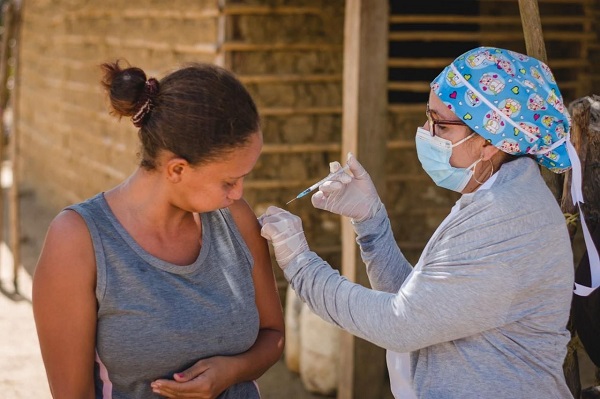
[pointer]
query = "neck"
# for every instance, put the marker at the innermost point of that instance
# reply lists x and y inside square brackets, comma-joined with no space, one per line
[481,173]
[142,200]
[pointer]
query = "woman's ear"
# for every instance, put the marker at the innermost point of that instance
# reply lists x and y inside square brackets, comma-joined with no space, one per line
[175,169]
[488,151]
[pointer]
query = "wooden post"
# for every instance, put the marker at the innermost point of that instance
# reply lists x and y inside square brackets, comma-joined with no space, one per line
[534,43]
[14,204]
[7,23]
[223,34]
[532,29]
[362,368]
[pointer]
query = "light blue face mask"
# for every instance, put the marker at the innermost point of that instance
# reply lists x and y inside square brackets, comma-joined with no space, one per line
[434,153]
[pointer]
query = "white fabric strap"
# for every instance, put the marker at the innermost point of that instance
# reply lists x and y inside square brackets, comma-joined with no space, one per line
[577,195]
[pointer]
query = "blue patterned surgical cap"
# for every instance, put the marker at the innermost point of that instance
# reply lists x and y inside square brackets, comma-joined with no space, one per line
[511,100]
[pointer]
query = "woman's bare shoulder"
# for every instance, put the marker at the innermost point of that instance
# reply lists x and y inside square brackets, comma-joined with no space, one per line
[68,247]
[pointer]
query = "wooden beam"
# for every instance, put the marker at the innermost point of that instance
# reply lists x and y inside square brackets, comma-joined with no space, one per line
[532,29]
[534,44]
[7,29]
[14,203]
[364,133]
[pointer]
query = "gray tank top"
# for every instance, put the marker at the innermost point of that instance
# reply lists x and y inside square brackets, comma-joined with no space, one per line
[156,318]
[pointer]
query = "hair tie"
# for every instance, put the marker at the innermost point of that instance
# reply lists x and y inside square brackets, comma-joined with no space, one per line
[146,102]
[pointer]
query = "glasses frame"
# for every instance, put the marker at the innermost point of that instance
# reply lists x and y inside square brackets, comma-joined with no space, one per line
[432,122]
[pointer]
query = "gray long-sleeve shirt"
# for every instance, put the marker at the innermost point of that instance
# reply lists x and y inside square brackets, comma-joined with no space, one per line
[484,313]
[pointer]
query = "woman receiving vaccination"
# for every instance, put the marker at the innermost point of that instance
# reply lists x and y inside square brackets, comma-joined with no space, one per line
[162,286]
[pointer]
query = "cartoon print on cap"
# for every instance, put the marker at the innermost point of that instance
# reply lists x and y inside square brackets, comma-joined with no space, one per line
[548,120]
[509,146]
[493,122]
[511,100]
[547,140]
[547,72]
[510,107]
[479,60]
[536,103]
[453,79]
[536,75]
[491,83]
[505,65]
[519,56]
[552,155]
[472,99]
[555,102]
[560,131]
[529,84]
[533,130]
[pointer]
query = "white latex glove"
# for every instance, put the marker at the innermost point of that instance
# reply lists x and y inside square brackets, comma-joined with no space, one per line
[355,197]
[284,230]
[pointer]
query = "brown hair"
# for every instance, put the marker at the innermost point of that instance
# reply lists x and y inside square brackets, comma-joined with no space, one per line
[197,112]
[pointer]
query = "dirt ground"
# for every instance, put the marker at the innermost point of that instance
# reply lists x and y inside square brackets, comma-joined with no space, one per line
[22,374]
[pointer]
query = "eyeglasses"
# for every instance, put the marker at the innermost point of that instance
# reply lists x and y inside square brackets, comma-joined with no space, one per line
[432,122]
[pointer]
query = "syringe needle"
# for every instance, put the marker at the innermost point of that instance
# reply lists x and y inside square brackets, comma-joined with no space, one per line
[317,184]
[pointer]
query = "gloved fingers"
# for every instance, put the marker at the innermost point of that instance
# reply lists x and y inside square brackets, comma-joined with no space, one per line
[280,225]
[334,166]
[343,177]
[273,210]
[273,228]
[358,171]
[319,200]
[331,186]
[269,213]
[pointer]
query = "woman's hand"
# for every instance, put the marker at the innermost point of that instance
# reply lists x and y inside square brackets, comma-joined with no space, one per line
[206,379]
[284,230]
[354,197]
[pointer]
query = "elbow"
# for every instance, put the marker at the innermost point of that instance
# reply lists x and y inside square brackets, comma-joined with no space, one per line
[279,342]
[276,337]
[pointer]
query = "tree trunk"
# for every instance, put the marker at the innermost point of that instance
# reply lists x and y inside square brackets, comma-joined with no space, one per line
[585,136]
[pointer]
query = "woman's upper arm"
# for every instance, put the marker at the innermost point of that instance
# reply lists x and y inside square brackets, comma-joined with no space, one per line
[64,306]
[267,297]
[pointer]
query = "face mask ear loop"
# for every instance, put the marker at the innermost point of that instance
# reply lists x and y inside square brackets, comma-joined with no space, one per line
[491,173]
[463,140]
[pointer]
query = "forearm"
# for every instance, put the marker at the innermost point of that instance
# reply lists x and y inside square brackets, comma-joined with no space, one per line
[330,295]
[387,267]
[265,352]
[430,308]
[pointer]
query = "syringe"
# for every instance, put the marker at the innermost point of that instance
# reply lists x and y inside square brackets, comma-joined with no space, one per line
[317,184]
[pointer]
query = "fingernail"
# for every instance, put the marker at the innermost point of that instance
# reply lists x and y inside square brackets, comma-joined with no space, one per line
[180,375]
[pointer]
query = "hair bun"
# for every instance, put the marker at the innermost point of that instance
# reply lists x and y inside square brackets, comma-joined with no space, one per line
[145,103]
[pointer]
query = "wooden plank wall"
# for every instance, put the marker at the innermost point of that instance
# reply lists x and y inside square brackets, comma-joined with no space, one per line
[567,28]
[289,55]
